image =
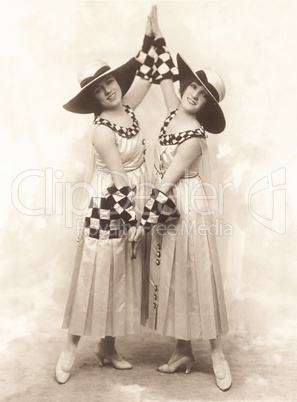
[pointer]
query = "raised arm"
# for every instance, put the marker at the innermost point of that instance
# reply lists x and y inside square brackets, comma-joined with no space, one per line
[145,61]
[165,69]
[171,99]
[137,93]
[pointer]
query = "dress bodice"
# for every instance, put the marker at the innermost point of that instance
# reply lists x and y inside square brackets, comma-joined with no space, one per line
[131,145]
[167,146]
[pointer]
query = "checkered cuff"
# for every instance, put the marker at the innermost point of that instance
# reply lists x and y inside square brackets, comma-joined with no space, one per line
[145,59]
[158,209]
[164,67]
[145,65]
[148,42]
[121,200]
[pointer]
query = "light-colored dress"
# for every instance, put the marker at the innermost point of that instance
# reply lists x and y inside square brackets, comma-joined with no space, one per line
[186,297]
[105,291]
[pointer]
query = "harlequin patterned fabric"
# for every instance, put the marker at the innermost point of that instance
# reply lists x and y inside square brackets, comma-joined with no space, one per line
[98,220]
[145,64]
[121,200]
[186,294]
[164,67]
[126,132]
[158,209]
[105,291]
[178,138]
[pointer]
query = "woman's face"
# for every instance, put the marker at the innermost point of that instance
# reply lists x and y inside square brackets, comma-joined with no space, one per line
[108,92]
[194,98]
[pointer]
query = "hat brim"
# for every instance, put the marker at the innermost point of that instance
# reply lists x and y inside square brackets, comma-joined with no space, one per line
[84,103]
[213,120]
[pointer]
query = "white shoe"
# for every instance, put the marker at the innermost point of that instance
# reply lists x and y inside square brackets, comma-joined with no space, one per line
[224,383]
[61,375]
[102,355]
[170,368]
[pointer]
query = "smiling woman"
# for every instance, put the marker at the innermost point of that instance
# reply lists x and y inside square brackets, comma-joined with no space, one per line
[108,90]
[252,44]
[105,293]
[187,299]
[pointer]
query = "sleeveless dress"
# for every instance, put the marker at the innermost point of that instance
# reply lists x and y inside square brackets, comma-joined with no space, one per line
[186,297]
[105,291]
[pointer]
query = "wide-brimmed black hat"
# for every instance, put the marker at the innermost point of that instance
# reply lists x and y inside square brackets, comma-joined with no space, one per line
[212,118]
[88,76]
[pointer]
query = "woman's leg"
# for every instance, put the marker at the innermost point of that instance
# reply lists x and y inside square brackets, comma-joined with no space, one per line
[66,359]
[220,364]
[105,350]
[182,348]
[182,356]
[108,344]
[69,352]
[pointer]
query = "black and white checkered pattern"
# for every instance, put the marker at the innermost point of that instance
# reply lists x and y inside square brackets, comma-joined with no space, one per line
[178,138]
[145,65]
[158,209]
[126,132]
[121,200]
[164,67]
[146,58]
[102,222]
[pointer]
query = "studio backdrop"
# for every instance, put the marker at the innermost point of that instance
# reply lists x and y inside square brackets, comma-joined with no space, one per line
[44,148]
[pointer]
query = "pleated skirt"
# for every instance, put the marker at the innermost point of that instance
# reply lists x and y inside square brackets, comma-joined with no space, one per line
[105,296]
[186,295]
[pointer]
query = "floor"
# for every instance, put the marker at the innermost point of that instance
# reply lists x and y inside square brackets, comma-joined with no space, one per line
[260,372]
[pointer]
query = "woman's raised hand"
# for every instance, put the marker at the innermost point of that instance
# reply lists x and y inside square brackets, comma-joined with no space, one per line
[154,22]
[148,28]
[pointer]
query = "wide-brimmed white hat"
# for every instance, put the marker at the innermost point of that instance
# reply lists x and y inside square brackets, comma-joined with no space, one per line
[89,75]
[212,118]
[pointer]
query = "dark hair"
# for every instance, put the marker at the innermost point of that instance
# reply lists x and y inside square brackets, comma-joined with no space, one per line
[205,114]
[184,85]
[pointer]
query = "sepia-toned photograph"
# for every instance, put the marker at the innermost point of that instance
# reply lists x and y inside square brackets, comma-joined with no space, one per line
[148,219]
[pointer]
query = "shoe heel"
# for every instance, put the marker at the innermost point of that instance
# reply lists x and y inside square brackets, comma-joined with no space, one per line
[189,368]
[99,356]
[100,361]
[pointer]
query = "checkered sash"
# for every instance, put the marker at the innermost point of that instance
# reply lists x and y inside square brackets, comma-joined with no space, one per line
[121,200]
[145,59]
[158,209]
[164,67]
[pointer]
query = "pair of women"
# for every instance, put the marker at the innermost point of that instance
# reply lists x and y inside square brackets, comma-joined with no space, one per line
[185,294]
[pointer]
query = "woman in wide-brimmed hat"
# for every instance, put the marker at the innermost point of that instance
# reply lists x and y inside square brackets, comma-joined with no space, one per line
[105,293]
[186,297]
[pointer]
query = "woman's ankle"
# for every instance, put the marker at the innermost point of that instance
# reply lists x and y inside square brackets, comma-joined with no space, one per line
[184,347]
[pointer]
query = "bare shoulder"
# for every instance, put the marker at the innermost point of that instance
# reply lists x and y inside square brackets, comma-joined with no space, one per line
[191,145]
[191,125]
[103,135]
[102,132]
